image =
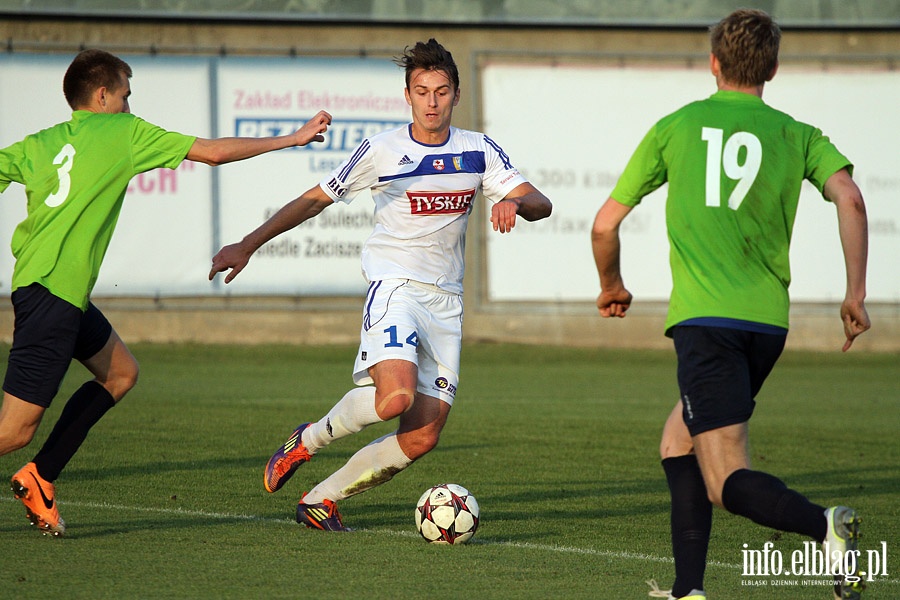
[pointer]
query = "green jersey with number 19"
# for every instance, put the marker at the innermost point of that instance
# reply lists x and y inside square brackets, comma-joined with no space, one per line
[734,167]
[75,176]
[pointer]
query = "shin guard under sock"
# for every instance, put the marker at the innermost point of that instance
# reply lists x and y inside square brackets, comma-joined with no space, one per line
[691,522]
[86,406]
[372,465]
[767,501]
[352,413]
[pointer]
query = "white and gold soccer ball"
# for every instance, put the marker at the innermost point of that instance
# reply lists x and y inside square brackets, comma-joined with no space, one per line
[447,514]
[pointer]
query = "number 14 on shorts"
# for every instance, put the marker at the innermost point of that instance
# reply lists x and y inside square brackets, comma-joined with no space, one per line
[394,338]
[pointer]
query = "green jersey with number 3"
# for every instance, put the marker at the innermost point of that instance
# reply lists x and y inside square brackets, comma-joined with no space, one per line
[734,167]
[75,176]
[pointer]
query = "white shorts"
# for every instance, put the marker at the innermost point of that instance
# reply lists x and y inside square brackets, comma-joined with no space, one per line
[416,322]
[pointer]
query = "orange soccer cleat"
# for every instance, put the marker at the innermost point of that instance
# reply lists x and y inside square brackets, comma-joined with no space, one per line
[39,498]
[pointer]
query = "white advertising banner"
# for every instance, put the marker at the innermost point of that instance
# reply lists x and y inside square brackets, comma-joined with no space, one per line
[31,99]
[170,224]
[274,97]
[858,110]
[570,129]
[577,126]
[163,242]
[164,236]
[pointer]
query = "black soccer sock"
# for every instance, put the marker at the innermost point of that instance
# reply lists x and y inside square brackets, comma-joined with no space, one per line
[767,501]
[82,411]
[691,522]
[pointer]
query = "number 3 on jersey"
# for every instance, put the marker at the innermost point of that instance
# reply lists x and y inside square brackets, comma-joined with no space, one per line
[393,338]
[719,158]
[64,159]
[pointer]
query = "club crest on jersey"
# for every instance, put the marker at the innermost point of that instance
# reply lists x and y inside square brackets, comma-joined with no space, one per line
[440,203]
[438,164]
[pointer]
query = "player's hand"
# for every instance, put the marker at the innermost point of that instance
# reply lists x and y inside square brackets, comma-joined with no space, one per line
[313,129]
[233,257]
[614,303]
[855,319]
[503,214]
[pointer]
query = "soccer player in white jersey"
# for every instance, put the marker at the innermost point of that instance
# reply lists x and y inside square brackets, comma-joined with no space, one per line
[423,178]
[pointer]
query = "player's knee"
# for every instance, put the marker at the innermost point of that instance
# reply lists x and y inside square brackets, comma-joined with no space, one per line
[714,494]
[122,380]
[669,448]
[715,499]
[394,403]
[17,439]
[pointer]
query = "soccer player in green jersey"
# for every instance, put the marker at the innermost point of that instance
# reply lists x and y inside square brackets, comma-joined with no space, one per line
[75,176]
[734,167]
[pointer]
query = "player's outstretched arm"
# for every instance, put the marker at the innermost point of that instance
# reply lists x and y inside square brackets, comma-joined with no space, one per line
[236,256]
[854,233]
[614,300]
[225,150]
[525,201]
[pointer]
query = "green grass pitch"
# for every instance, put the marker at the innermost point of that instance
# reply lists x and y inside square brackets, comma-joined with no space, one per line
[559,446]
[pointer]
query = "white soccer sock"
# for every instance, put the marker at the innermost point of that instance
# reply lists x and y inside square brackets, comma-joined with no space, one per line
[352,413]
[373,465]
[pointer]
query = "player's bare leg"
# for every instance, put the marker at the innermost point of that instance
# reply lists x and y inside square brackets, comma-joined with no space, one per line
[395,387]
[676,439]
[115,371]
[379,461]
[420,428]
[721,452]
[18,422]
[114,367]
[392,395]
[421,420]
[376,463]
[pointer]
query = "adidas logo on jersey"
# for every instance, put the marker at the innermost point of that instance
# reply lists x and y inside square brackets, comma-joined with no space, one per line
[405,161]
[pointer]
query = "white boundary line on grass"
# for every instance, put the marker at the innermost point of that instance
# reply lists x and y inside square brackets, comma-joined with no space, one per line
[232,516]
[523,545]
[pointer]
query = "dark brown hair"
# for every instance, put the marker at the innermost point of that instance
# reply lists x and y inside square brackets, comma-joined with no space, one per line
[92,69]
[430,56]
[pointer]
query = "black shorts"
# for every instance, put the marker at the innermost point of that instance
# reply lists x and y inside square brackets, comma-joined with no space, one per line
[720,371]
[48,333]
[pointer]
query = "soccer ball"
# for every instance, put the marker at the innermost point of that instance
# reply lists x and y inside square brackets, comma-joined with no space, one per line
[447,514]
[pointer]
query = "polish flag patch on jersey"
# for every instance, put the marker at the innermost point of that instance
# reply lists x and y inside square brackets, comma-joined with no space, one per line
[440,203]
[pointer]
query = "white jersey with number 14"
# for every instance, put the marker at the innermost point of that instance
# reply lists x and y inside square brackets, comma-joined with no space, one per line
[423,197]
